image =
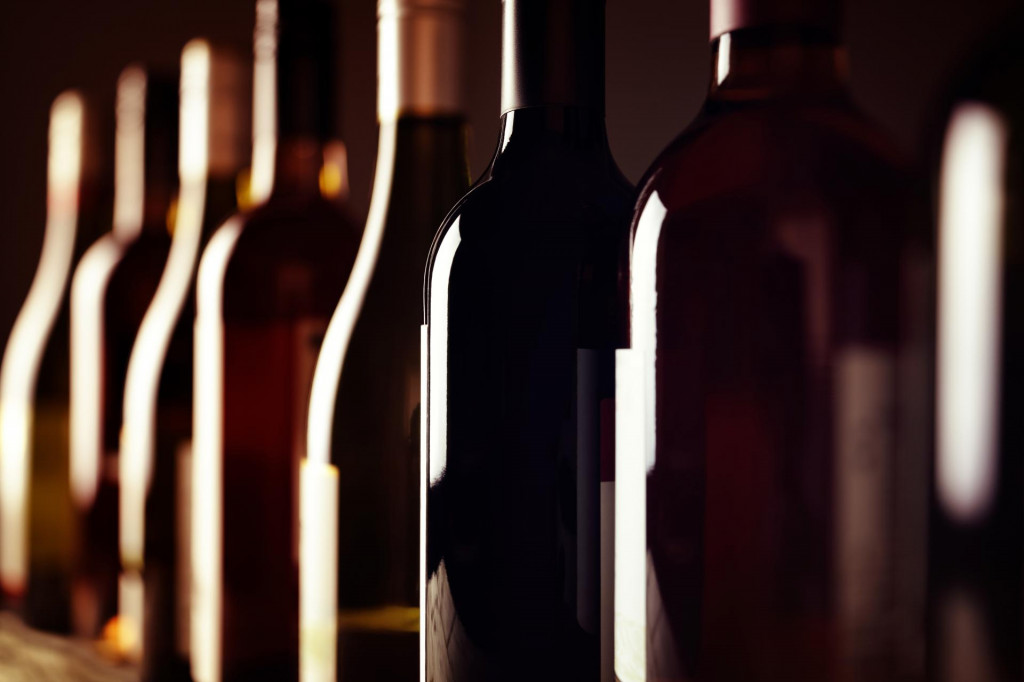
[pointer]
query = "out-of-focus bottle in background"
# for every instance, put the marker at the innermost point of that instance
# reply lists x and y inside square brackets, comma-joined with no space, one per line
[37,524]
[770,510]
[268,282]
[156,447]
[112,287]
[364,409]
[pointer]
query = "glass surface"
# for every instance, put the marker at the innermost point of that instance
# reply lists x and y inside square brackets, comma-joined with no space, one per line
[522,309]
[782,531]
[376,427]
[44,601]
[268,282]
[976,543]
[127,277]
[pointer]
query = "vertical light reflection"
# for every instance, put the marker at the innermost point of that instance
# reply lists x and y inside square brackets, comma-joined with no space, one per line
[27,342]
[424,392]
[323,394]
[129,152]
[970,298]
[634,447]
[142,380]
[437,409]
[724,49]
[88,288]
[264,101]
[208,463]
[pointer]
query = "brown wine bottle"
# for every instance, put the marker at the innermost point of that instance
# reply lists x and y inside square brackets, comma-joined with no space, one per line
[770,509]
[268,282]
[37,525]
[111,289]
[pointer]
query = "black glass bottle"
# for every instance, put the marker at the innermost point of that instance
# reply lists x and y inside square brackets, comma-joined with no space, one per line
[521,298]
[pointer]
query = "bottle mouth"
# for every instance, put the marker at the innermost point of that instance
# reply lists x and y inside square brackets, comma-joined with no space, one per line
[728,16]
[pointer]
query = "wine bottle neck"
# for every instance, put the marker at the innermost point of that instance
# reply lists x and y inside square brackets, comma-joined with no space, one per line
[552,54]
[771,62]
[573,128]
[298,162]
[419,58]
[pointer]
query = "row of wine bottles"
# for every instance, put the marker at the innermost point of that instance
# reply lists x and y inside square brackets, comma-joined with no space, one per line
[751,421]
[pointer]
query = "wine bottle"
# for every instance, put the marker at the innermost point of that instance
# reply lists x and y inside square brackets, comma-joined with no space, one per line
[155,461]
[769,510]
[366,389]
[976,566]
[37,526]
[268,282]
[111,288]
[522,321]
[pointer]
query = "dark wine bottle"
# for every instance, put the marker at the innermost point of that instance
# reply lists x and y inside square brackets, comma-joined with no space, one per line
[976,544]
[111,289]
[521,298]
[268,282]
[769,509]
[37,525]
[364,409]
[155,456]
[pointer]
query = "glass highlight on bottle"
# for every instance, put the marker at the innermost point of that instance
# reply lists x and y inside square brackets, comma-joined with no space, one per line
[769,507]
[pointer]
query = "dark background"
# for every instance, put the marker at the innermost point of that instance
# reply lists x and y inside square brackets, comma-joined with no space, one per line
[657,69]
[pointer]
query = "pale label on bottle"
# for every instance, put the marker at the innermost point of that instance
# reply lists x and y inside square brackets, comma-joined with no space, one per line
[630,513]
[318,570]
[864,383]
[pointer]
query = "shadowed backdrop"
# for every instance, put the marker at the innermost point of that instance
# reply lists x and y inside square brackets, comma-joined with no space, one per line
[657,69]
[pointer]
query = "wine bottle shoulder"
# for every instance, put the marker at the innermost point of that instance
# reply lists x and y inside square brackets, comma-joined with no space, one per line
[281,259]
[770,157]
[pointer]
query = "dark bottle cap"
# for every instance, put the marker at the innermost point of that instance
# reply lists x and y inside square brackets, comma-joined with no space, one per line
[822,16]
[305,69]
[552,53]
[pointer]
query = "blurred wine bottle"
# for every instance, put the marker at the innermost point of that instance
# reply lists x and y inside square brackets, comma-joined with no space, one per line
[771,504]
[37,525]
[155,461]
[364,409]
[976,576]
[521,295]
[111,289]
[268,282]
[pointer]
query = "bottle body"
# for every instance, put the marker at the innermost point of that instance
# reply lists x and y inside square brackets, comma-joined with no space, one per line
[768,498]
[267,285]
[521,331]
[976,558]
[37,525]
[376,427]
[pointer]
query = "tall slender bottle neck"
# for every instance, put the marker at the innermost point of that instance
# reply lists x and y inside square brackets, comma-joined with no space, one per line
[764,49]
[552,54]
[419,59]
[146,152]
[552,75]
[293,94]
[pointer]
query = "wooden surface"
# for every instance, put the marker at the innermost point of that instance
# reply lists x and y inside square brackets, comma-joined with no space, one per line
[27,655]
